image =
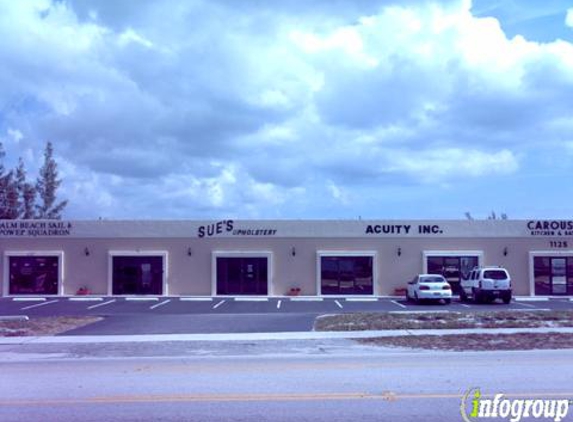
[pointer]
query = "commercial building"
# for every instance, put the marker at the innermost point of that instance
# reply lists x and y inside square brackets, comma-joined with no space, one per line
[275,258]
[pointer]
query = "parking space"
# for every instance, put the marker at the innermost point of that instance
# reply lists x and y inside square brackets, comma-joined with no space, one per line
[56,306]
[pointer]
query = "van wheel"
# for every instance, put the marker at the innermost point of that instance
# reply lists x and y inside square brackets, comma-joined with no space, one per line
[477,297]
[507,299]
[463,296]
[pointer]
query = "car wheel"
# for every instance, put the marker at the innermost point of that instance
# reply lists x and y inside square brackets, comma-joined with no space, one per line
[463,296]
[447,301]
[477,296]
[507,299]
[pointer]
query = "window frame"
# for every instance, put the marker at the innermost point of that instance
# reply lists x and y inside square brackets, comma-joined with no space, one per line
[33,253]
[347,253]
[545,254]
[242,254]
[138,253]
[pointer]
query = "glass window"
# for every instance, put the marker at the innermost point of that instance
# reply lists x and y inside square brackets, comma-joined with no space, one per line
[33,275]
[432,280]
[242,275]
[542,275]
[495,274]
[570,275]
[346,275]
[137,275]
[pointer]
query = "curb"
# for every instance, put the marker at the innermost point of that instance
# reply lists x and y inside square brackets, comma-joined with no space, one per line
[306,335]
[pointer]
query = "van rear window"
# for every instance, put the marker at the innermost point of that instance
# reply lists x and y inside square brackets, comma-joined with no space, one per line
[495,274]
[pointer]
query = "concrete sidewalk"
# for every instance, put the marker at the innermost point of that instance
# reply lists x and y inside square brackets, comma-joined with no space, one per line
[312,335]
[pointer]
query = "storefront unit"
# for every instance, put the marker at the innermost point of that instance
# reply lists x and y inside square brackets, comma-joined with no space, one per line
[132,273]
[346,273]
[33,273]
[551,272]
[276,258]
[453,265]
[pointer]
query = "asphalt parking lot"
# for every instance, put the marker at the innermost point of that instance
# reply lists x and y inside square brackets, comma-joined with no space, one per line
[172,315]
[56,306]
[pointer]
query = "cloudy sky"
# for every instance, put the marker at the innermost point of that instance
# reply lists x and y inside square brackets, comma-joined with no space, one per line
[294,108]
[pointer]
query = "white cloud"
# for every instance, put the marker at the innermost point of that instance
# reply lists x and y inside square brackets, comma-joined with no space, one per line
[435,165]
[569,18]
[214,108]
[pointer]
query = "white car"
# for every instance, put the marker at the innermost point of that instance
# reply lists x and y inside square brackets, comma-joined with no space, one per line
[429,287]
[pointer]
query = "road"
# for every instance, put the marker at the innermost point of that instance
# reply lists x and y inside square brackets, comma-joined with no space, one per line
[328,384]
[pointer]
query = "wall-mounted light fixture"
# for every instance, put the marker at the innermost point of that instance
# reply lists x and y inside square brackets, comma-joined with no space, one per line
[86,251]
[293,251]
[399,251]
[189,251]
[505,251]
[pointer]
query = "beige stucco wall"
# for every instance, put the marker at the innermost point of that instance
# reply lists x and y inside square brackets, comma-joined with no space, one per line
[192,275]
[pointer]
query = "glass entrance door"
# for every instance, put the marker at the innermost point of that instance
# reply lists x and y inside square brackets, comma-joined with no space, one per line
[453,268]
[137,275]
[553,275]
[242,275]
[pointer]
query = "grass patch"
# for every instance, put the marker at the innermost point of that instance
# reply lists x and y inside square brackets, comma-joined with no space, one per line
[477,342]
[47,326]
[443,320]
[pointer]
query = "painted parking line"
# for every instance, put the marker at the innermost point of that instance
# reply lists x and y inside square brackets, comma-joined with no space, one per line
[196,299]
[101,304]
[28,299]
[218,304]
[306,299]
[142,299]
[527,305]
[361,299]
[85,299]
[279,304]
[165,302]
[37,305]
[399,304]
[338,304]
[251,299]
[441,311]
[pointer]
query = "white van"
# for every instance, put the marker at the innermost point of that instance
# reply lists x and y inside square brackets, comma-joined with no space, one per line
[485,284]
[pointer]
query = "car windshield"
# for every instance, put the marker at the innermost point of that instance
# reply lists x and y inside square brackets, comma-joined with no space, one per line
[495,274]
[436,279]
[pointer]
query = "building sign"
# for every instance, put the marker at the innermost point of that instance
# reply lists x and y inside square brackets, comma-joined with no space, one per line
[398,229]
[227,227]
[550,228]
[31,228]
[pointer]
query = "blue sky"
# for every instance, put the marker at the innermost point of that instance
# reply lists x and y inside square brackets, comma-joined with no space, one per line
[294,109]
